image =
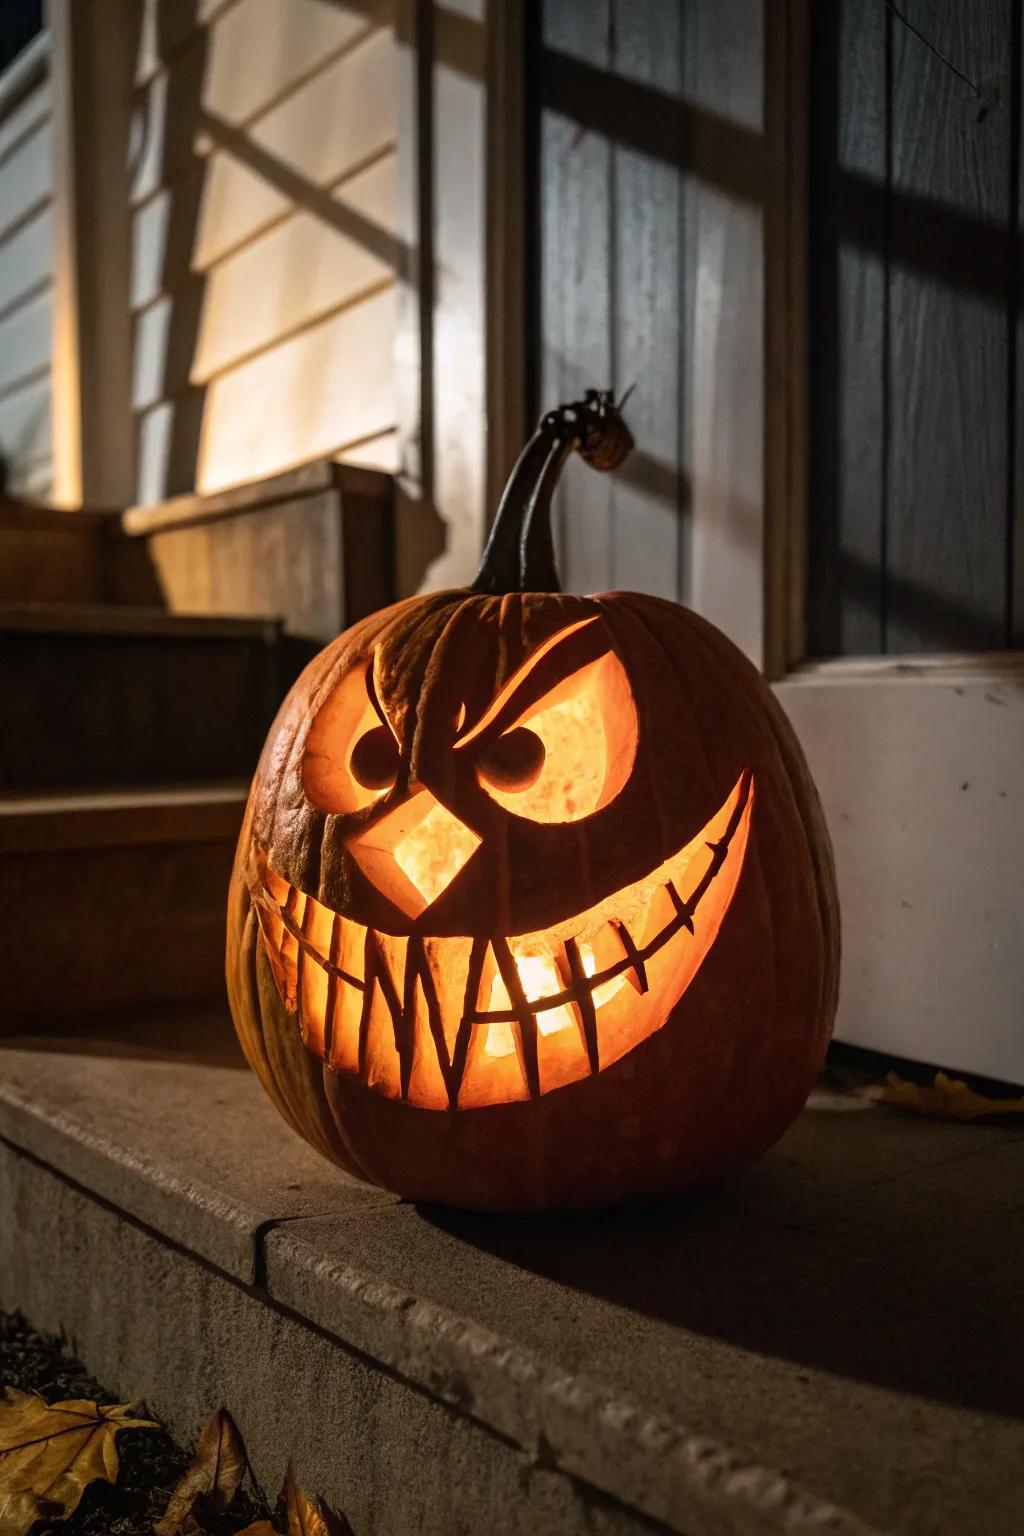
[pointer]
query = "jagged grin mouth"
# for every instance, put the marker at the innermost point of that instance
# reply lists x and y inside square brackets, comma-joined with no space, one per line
[461,1023]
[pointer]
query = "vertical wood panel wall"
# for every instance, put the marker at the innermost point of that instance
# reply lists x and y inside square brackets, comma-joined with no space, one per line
[26,284]
[649,207]
[915,289]
[265,239]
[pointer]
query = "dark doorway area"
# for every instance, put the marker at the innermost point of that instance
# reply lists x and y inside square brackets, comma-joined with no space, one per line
[20,21]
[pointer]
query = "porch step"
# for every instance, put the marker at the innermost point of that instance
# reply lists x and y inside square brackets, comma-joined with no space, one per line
[97,695]
[830,1344]
[115,899]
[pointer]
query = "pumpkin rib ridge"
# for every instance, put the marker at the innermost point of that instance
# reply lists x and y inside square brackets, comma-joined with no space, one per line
[358,1168]
[807,806]
[290,1051]
[740,686]
[754,860]
[744,682]
[805,795]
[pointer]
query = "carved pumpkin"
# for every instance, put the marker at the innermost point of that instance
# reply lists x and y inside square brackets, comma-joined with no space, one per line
[533,905]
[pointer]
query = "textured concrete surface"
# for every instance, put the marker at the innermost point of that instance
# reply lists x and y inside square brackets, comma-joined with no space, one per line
[156,1324]
[160,1326]
[163,1118]
[848,1313]
[833,1343]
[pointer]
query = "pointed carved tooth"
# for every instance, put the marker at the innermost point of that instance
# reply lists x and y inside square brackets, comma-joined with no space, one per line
[636,974]
[470,1005]
[291,918]
[306,969]
[369,982]
[318,928]
[525,1024]
[273,931]
[584,1003]
[405,1023]
[350,1003]
[332,1002]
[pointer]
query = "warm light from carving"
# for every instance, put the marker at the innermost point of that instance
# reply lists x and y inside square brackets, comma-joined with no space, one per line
[605,990]
[433,853]
[588,728]
[539,977]
[345,717]
[413,852]
[647,940]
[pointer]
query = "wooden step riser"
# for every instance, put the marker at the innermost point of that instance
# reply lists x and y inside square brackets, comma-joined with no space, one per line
[101,929]
[112,709]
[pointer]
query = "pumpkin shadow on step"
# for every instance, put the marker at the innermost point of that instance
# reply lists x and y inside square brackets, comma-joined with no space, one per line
[875,1246]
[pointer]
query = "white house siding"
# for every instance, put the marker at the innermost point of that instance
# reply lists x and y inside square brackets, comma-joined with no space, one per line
[265,253]
[26,282]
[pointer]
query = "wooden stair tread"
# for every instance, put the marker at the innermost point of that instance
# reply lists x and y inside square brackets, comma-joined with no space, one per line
[112,619]
[95,818]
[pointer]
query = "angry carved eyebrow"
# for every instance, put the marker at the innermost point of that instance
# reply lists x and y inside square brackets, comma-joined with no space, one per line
[516,682]
[373,693]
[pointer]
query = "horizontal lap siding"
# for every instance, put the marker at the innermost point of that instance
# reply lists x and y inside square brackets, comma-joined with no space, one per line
[26,278]
[301,400]
[264,246]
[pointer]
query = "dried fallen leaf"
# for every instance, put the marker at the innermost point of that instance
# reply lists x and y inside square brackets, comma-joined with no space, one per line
[948,1098]
[212,1477]
[50,1453]
[258,1528]
[308,1519]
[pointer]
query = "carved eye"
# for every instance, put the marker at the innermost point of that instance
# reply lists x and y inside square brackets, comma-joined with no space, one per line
[571,753]
[374,760]
[514,761]
[351,759]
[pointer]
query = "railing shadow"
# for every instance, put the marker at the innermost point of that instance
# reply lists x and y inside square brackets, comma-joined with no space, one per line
[183,108]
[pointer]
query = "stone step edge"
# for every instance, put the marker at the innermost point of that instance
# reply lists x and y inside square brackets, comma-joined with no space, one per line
[566,1421]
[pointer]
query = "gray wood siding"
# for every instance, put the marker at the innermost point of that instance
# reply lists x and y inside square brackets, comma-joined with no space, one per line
[914,218]
[26,283]
[611,193]
[648,265]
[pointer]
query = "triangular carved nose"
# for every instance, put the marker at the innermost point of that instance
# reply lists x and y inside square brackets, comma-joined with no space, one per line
[413,854]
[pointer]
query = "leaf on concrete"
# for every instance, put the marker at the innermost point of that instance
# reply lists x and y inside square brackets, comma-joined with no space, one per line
[306,1518]
[50,1453]
[948,1098]
[211,1480]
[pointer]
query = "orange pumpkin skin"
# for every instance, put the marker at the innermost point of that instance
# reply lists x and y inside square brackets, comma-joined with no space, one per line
[699,1093]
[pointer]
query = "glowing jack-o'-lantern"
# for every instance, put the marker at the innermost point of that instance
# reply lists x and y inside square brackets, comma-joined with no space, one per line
[533,905]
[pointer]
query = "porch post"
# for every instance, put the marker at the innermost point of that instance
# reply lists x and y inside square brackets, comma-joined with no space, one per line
[93,64]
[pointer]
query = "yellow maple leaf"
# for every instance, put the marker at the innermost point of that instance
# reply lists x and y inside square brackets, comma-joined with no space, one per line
[948,1098]
[213,1476]
[308,1519]
[50,1453]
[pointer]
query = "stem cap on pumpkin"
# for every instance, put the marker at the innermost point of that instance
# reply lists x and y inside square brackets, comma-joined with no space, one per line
[520,555]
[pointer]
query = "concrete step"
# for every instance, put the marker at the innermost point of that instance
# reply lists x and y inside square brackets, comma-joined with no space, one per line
[115,899]
[97,695]
[831,1344]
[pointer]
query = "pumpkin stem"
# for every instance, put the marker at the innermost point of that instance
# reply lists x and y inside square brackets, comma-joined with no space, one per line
[520,555]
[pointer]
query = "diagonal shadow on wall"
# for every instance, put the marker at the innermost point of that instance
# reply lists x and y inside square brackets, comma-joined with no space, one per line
[180,448]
